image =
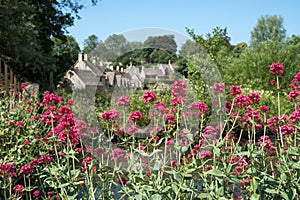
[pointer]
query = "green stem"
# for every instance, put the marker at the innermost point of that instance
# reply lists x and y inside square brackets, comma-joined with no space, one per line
[278,96]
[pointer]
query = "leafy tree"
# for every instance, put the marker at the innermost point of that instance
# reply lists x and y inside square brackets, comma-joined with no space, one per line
[188,49]
[216,44]
[165,42]
[112,48]
[239,48]
[251,68]
[65,51]
[268,28]
[90,43]
[27,28]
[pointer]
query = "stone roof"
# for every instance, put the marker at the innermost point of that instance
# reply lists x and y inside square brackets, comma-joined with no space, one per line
[97,71]
[150,71]
[87,77]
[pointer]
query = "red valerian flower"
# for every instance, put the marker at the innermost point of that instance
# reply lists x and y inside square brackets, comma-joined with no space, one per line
[123,101]
[135,115]
[26,142]
[122,181]
[242,101]
[149,96]
[170,118]
[19,124]
[272,82]
[264,109]
[175,101]
[276,69]
[23,85]
[179,88]
[18,188]
[235,90]
[296,81]
[254,97]
[170,143]
[26,169]
[141,148]
[293,94]
[45,159]
[174,163]
[8,169]
[110,115]
[70,101]
[87,161]
[36,194]
[199,107]
[218,88]
[116,155]
[161,108]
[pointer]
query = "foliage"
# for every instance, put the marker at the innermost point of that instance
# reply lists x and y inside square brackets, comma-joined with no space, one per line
[90,43]
[213,42]
[65,52]
[268,28]
[27,28]
[253,155]
[165,42]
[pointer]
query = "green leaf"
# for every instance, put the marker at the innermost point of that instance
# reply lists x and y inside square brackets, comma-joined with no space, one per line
[215,172]
[254,185]
[254,197]
[156,197]
[296,165]
[204,196]
[166,189]
[174,187]
[271,191]
[284,195]
[64,185]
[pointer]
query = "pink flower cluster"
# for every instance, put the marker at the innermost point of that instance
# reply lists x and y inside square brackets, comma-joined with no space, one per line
[135,115]
[218,88]
[26,169]
[198,108]
[61,117]
[111,115]
[51,98]
[235,90]
[266,144]
[179,88]
[8,169]
[295,84]
[280,125]
[276,69]
[240,164]
[123,101]
[149,96]
[296,81]
[161,108]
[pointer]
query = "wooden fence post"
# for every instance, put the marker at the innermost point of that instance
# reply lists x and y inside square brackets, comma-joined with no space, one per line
[1,72]
[6,78]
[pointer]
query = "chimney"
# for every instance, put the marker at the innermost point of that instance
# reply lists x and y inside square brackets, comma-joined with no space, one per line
[79,57]
[85,57]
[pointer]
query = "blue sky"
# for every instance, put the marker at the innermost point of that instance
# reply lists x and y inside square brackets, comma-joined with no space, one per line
[238,16]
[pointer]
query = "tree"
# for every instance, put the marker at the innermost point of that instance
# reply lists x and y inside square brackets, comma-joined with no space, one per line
[27,28]
[268,28]
[165,42]
[112,48]
[65,51]
[90,43]
[213,42]
[216,45]
[188,49]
